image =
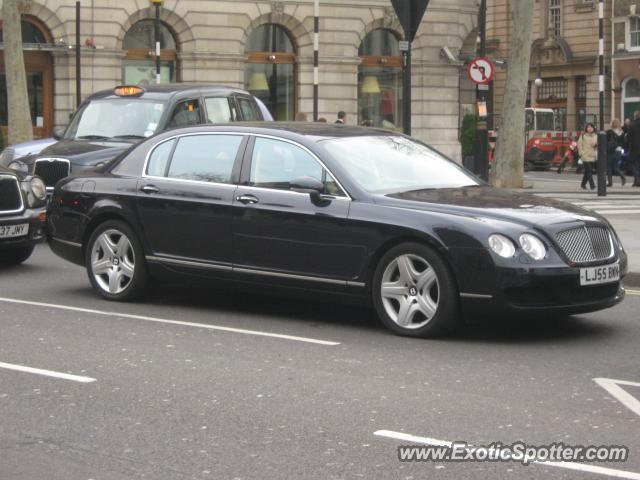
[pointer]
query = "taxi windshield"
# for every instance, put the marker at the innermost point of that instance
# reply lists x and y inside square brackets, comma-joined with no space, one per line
[124,119]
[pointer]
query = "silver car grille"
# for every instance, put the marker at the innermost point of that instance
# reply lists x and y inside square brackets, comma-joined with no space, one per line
[51,170]
[10,195]
[586,244]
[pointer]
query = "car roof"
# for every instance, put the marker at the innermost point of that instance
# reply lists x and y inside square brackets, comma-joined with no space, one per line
[312,131]
[165,91]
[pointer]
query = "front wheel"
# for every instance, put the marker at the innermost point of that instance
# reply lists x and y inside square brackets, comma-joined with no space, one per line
[15,256]
[115,262]
[414,292]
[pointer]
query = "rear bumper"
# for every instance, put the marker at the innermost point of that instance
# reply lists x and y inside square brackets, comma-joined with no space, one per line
[36,218]
[70,251]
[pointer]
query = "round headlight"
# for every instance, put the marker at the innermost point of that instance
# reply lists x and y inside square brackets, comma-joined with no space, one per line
[532,246]
[38,188]
[18,166]
[501,245]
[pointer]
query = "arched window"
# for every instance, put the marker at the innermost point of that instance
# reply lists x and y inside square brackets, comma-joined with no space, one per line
[139,65]
[270,73]
[380,80]
[630,97]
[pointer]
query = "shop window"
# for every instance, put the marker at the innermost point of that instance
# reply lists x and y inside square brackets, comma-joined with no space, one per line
[139,66]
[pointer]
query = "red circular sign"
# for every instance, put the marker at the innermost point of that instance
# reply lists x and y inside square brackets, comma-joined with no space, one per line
[481,70]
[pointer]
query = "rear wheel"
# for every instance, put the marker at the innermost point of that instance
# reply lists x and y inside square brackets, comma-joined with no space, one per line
[115,262]
[15,256]
[414,292]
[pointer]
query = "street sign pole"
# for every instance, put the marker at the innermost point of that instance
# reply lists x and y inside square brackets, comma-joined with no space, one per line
[481,157]
[410,13]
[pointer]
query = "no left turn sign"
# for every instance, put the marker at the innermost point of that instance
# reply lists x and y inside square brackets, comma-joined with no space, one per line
[481,70]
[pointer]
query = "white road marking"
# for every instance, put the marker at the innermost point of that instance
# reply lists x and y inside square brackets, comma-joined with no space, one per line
[171,322]
[613,387]
[611,472]
[46,373]
[615,212]
[632,292]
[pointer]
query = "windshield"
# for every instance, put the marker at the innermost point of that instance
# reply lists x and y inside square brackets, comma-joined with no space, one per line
[390,164]
[121,118]
[544,121]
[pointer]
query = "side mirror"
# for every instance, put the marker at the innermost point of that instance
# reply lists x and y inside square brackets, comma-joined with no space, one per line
[310,185]
[58,133]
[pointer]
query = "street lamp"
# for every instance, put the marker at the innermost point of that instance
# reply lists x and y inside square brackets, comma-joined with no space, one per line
[158,4]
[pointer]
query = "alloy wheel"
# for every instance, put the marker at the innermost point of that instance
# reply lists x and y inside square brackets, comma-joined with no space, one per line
[410,291]
[113,261]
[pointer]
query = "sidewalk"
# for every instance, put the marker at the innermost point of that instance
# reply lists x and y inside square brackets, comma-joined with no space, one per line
[621,206]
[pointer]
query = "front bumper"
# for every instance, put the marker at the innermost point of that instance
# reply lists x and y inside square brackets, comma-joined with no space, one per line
[36,218]
[492,289]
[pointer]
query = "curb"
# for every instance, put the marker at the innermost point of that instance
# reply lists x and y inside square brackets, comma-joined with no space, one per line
[632,280]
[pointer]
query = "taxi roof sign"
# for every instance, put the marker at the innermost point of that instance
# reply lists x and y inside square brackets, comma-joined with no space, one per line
[128,91]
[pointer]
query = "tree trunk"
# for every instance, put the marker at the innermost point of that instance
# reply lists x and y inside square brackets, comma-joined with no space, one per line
[20,128]
[508,167]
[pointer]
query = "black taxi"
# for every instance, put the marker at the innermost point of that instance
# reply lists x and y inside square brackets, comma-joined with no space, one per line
[109,122]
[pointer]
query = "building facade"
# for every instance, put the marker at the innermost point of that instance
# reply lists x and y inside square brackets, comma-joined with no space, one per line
[625,67]
[564,55]
[263,46]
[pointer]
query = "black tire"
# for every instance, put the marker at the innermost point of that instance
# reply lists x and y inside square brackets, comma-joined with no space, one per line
[126,265]
[15,256]
[443,292]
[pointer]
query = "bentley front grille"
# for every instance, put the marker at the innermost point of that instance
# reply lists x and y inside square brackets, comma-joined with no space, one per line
[586,244]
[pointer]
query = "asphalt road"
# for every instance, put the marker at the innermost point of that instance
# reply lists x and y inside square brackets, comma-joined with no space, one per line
[163,393]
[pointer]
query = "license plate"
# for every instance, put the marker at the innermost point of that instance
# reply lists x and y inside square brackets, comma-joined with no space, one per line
[597,275]
[10,231]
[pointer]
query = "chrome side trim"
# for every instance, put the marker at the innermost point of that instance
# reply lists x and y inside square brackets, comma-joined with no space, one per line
[67,242]
[187,263]
[229,268]
[475,295]
[288,275]
[20,194]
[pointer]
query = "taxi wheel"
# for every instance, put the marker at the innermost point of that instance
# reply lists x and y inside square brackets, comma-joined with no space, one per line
[15,256]
[115,262]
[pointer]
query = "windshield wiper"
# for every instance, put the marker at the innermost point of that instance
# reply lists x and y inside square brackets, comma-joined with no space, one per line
[129,136]
[93,137]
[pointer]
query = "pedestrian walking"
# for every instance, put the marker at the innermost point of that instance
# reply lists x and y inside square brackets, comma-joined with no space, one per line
[615,147]
[634,147]
[342,117]
[588,151]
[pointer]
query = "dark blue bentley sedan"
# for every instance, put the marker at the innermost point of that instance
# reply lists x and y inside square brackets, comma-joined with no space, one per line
[352,211]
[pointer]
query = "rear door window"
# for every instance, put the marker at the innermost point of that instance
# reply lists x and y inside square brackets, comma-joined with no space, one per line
[218,109]
[205,158]
[159,159]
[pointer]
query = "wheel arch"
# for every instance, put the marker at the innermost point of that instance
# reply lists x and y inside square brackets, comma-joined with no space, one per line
[425,240]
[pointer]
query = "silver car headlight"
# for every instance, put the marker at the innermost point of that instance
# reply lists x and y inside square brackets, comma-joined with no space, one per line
[532,246]
[38,188]
[18,166]
[501,245]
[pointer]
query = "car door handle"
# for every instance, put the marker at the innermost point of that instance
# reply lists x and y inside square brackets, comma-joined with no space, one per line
[149,189]
[247,199]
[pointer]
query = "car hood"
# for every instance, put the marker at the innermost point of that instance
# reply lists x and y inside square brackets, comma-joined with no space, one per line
[6,171]
[487,202]
[83,153]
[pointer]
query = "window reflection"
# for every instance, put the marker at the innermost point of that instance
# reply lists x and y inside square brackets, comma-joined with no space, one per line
[380,81]
[270,71]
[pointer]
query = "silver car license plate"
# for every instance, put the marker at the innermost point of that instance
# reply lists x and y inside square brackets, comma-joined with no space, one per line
[597,275]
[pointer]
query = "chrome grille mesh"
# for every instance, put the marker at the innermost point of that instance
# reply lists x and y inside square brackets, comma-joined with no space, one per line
[586,244]
[10,196]
[51,170]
